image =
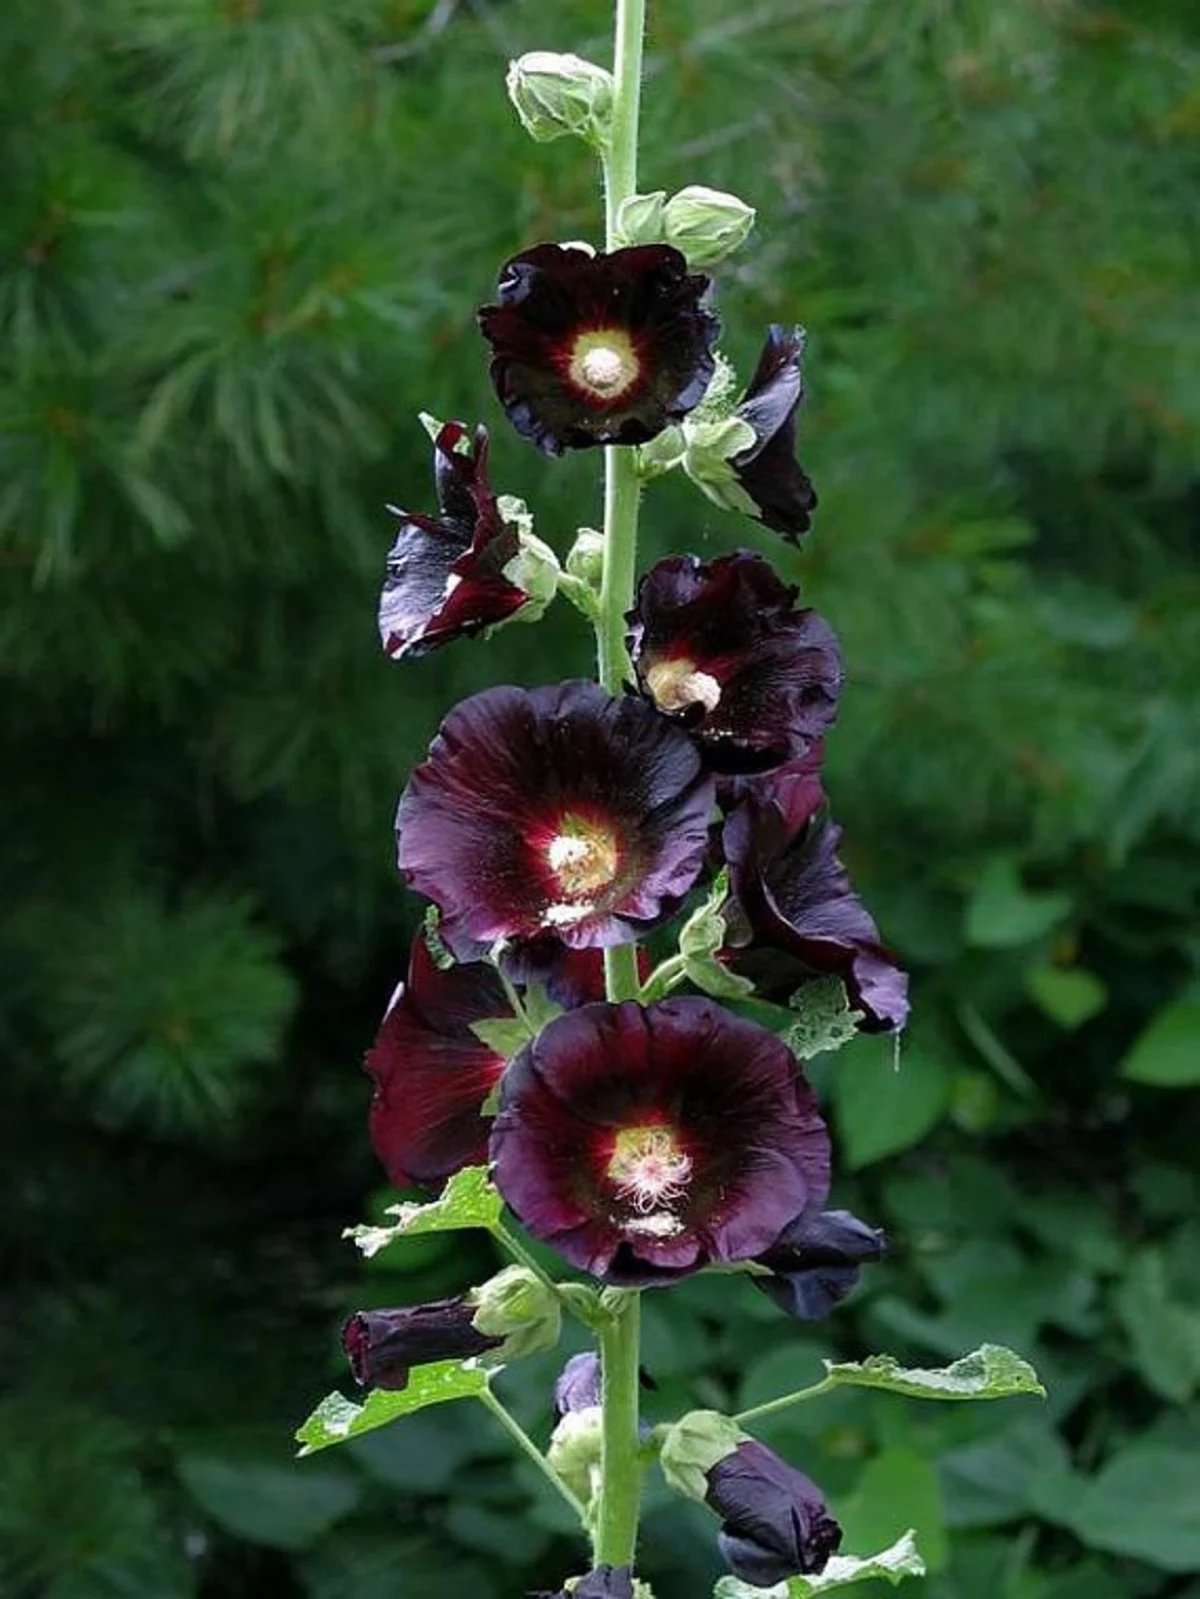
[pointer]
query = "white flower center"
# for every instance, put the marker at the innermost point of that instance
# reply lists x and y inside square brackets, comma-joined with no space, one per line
[583,855]
[675,685]
[650,1172]
[603,369]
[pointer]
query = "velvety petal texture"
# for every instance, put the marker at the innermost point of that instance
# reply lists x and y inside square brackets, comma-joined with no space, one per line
[431,1073]
[599,349]
[555,811]
[445,573]
[794,912]
[768,469]
[721,647]
[776,1522]
[383,1346]
[642,1142]
[815,1262]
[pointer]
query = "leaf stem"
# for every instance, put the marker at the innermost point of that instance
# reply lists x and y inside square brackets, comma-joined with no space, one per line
[527,1446]
[786,1401]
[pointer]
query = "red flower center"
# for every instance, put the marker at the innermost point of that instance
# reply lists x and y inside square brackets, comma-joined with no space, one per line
[603,365]
[650,1171]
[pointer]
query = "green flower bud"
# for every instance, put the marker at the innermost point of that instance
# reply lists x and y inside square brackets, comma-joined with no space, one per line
[692,1446]
[706,224]
[534,568]
[586,558]
[559,94]
[640,218]
[708,460]
[517,1306]
[574,1451]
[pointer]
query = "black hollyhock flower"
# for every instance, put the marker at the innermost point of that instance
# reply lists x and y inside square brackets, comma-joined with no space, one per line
[793,905]
[644,1142]
[556,810]
[383,1346]
[599,349]
[605,1582]
[432,1074]
[720,646]
[445,573]
[815,1261]
[776,1522]
[768,470]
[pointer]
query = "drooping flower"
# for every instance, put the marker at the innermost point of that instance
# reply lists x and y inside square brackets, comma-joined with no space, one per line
[432,1074]
[768,470]
[775,1522]
[721,647]
[793,914]
[644,1142]
[815,1261]
[556,810]
[598,349]
[445,573]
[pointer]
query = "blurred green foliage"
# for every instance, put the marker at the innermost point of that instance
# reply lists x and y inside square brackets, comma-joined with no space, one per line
[240,245]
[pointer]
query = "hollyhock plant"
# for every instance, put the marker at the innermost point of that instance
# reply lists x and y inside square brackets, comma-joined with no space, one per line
[446,574]
[721,647]
[643,1142]
[383,1346]
[557,810]
[815,1262]
[767,470]
[795,915]
[602,348]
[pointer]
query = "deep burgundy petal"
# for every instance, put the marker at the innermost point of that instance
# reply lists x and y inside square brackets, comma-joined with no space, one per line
[721,647]
[768,469]
[732,1129]
[431,1073]
[557,811]
[383,1345]
[556,304]
[445,574]
[815,1261]
[776,1522]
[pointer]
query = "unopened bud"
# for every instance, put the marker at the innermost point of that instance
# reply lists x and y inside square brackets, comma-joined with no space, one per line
[575,1449]
[706,224]
[559,94]
[586,558]
[640,218]
[534,568]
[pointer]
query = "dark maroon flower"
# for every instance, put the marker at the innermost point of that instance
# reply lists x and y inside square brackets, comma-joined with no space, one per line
[721,647]
[556,810]
[445,573]
[605,1582]
[792,903]
[599,349]
[382,1346]
[432,1074]
[776,1523]
[644,1142]
[768,470]
[815,1261]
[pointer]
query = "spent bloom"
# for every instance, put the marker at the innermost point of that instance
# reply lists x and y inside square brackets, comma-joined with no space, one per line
[767,470]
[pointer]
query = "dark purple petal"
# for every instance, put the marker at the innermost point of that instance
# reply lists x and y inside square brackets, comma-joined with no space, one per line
[445,573]
[768,469]
[776,1523]
[431,1073]
[599,349]
[644,1142]
[578,1384]
[605,1582]
[721,647]
[795,913]
[382,1346]
[815,1261]
[556,811]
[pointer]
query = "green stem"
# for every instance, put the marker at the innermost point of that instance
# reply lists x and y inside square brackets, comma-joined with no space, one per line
[620,1463]
[786,1401]
[527,1446]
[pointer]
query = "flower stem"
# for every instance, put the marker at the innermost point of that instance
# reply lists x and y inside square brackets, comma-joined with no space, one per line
[620,1462]
[786,1401]
[529,1448]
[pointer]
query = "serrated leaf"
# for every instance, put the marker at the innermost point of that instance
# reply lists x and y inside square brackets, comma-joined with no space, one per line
[890,1565]
[337,1418]
[989,1372]
[825,1019]
[468,1200]
[1167,1054]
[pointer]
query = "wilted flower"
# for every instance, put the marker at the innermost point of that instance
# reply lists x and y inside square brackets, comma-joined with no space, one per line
[776,1523]
[644,1142]
[446,573]
[556,810]
[792,903]
[721,647]
[598,349]
[768,470]
[432,1073]
[815,1261]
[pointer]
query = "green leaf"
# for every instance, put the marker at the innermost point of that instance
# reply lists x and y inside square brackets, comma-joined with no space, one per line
[990,1372]
[1167,1054]
[1004,1476]
[270,1502]
[1002,913]
[890,1565]
[503,1034]
[883,1105]
[825,1019]
[337,1418]
[701,936]
[1069,996]
[1144,1504]
[468,1200]
[897,1489]
[1164,1335]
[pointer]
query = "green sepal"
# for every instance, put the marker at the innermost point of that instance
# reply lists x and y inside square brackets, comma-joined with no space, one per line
[434,943]
[693,1445]
[662,454]
[520,1307]
[890,1565]
[555,95]
[825,1018]
[989,1372]
[337,1418]
[640,218]
[707,225]
[468,1200]
[701,936]
[708,460]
